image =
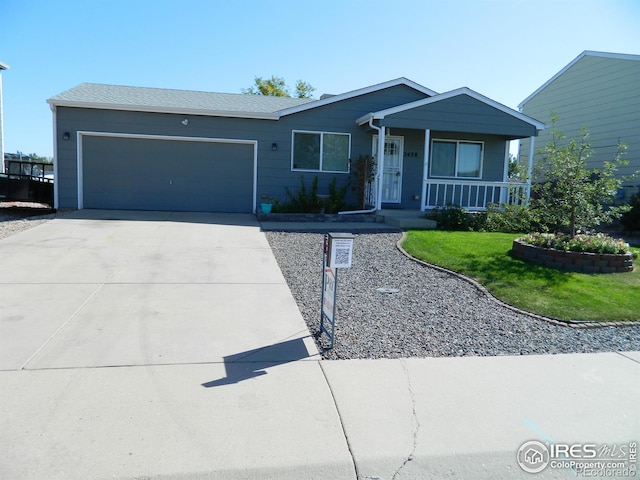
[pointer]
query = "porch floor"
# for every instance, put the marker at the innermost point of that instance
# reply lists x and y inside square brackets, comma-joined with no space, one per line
[407,219]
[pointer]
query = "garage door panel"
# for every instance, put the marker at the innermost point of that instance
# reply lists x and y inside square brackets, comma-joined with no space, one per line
[154,174]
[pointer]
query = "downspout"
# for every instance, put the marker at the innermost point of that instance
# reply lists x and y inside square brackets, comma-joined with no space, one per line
[378,174]
[381,134]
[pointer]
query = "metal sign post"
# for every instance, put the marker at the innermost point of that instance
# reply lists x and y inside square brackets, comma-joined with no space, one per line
[338,252]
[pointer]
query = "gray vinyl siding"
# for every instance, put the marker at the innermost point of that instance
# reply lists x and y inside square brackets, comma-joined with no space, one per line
[601,94]
[412,165]
[461,113]
[274,167]
[462,118]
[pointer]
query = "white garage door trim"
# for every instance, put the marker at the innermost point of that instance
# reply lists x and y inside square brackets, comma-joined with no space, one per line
[83,133]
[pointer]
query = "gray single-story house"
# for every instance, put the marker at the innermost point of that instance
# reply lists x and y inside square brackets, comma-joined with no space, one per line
[118,147]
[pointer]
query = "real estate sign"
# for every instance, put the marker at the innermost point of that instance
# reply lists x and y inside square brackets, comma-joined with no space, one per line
[337,253]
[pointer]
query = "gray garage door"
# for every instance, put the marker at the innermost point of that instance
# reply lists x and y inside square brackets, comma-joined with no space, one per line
[153,174]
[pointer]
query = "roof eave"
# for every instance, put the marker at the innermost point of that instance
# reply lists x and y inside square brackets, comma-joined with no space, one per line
[453,93]
[177,110]
[586,53]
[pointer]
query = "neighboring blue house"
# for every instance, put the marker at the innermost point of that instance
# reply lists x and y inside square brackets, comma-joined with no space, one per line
[122,147]
[599,91]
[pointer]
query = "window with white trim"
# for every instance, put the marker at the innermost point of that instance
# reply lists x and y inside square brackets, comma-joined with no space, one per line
[321,151]
[456,159]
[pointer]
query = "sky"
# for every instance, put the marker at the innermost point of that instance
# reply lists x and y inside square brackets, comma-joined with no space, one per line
[503,49]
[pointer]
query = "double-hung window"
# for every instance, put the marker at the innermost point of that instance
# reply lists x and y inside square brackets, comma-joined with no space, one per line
[321,151]
[456,158]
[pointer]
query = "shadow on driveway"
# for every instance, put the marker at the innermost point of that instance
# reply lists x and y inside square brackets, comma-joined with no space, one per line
[252,363]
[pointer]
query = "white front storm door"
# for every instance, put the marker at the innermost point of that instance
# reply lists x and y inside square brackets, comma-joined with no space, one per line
[392,170]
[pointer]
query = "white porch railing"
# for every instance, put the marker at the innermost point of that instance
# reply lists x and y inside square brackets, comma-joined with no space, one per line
[473,195]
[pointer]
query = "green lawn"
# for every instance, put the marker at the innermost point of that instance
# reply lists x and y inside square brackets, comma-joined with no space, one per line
[546,291]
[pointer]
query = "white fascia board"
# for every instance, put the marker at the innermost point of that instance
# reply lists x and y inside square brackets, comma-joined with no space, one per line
[365,118]
[454,93]
[618,56]
[179,111]
[590,53]
[356,93]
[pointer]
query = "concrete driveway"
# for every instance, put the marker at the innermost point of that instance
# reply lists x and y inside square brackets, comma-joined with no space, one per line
[193,309]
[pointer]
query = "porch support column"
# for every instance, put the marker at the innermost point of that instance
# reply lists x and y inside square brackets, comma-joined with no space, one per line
[425,169]
[381,135]
[532,142]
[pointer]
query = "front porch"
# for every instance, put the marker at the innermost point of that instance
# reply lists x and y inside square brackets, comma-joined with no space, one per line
[451,149]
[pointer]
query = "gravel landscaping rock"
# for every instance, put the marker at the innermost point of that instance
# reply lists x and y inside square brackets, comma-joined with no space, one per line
[433,314]
[14,221]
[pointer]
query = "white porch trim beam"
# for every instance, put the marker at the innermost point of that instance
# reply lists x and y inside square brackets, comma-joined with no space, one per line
[532,142]
[381,135]
[505,171]
[425,169]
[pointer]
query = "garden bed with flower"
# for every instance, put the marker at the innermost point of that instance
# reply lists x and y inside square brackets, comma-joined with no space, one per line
[597,253]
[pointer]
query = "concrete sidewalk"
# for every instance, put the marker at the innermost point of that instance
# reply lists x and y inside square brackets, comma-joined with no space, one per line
[467,417]
[152,345]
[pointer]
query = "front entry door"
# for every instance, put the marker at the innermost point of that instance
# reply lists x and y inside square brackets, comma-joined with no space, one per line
[392,170]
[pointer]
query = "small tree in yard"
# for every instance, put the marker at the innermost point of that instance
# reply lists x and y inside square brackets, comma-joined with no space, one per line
[570,196]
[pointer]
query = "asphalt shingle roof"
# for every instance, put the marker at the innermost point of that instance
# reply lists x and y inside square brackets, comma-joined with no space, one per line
[87,94]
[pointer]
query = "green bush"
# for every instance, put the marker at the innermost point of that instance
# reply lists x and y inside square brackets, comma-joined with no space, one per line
[335,203]
[507,218]
[451,218]
[304,201]
[307,201]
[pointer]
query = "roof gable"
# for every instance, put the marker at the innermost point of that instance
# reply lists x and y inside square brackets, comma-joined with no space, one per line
[355,93]
[586,53]
[448,95]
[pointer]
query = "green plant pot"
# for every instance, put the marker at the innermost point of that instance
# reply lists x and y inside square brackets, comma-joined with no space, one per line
[266,208]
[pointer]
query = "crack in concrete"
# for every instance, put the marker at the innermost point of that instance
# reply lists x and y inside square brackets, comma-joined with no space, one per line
[622,354]
[414,420]
[344,430]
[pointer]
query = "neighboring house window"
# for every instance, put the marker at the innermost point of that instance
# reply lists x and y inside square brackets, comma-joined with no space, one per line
[454,158]
[321,151]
